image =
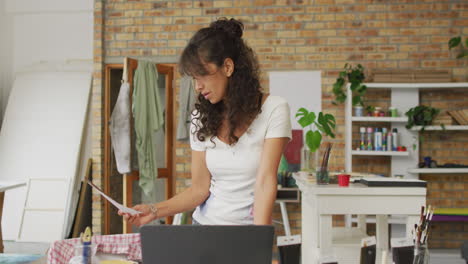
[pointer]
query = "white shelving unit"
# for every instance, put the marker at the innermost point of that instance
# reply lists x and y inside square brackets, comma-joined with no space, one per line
[429,128]
[403,96]
[379,153]
[378,119]
[438,170]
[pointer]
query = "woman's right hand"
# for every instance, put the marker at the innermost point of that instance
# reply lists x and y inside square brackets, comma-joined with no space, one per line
[140,219]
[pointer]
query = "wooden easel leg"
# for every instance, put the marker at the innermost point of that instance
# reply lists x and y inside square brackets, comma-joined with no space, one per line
[2,195]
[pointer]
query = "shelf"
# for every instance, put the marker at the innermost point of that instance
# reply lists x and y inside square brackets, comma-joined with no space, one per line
[418,85]
[439,170]
[379,153]
[392,219]
[418,128]
[378,119]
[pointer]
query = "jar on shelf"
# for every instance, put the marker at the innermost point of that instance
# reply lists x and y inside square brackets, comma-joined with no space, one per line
[358,110]
[377,111]
[393,111]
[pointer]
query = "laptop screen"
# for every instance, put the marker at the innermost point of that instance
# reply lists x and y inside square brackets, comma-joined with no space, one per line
[187,244]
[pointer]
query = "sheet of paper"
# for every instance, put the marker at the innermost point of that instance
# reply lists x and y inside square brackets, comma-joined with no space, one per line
[122,208]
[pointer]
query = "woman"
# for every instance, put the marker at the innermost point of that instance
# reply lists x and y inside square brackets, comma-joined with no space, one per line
[237,134]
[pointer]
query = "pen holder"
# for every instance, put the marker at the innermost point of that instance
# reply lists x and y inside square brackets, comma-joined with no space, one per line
[322,176]
[84,253]
[421,254]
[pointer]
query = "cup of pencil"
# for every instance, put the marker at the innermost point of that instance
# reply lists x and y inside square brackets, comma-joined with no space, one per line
[420,236]
[322,175]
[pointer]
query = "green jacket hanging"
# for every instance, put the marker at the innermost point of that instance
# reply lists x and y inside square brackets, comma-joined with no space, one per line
[148,116]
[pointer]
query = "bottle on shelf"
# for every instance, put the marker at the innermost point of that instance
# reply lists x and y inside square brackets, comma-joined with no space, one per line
[370,135]
[362,143]
[384,139]
[378,139]
[394,139]
[389,141]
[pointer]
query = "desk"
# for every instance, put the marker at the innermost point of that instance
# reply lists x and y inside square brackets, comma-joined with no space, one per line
[320,202]
[3,187]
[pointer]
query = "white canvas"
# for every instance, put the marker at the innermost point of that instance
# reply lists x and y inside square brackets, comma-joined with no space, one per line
[41,136]
[48,230]
[55,188]
[300,89]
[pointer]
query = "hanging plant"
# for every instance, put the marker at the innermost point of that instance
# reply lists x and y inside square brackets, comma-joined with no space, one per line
[421,115]
[355,76]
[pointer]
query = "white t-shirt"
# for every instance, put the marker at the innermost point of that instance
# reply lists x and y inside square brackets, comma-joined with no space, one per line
[234,168]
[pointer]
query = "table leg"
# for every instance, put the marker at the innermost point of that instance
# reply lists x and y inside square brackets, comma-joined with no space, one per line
[2,195]
[325,234]
[310,230]
[284,215]
[361,223]
[382,232]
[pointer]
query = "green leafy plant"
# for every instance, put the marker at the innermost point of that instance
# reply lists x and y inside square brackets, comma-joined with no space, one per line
[317,125]
[421,115]
[355,76]
[457,42]
[370,109]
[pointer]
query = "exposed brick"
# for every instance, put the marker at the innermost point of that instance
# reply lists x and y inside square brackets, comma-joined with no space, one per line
[301,34]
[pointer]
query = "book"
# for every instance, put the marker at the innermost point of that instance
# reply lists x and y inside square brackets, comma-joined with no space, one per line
[392,182]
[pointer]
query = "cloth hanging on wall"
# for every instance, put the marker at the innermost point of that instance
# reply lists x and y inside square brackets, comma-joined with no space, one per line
[187,102]
[120,126]
[148,116]
[120,129]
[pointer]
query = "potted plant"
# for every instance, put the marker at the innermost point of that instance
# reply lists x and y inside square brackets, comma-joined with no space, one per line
[369,110]
[421,115]
[317,126]
[355,76]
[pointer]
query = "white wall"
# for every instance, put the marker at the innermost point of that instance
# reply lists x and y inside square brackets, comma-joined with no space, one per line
[57,34]
[37,31]
[6,58]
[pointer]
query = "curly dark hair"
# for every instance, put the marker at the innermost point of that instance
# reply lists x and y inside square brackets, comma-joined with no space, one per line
[213,44]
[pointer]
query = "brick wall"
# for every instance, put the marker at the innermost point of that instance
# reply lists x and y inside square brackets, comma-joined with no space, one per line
[297,35]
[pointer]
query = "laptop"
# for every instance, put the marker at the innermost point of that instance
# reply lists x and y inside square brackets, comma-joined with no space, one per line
[196,244]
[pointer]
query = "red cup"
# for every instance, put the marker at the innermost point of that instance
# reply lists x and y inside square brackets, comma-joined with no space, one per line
[343,180]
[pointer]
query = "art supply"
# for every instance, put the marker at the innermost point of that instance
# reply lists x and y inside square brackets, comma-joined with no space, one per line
[358,110]
[86,242]
[362,143]
[420,235]
[402,250]
[378,139]
[322,172]
[384,139]
[389,141]
[394,139]
[370,135]
[368,250]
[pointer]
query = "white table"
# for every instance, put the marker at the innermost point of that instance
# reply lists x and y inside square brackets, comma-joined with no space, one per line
[320,202]
[3,187]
